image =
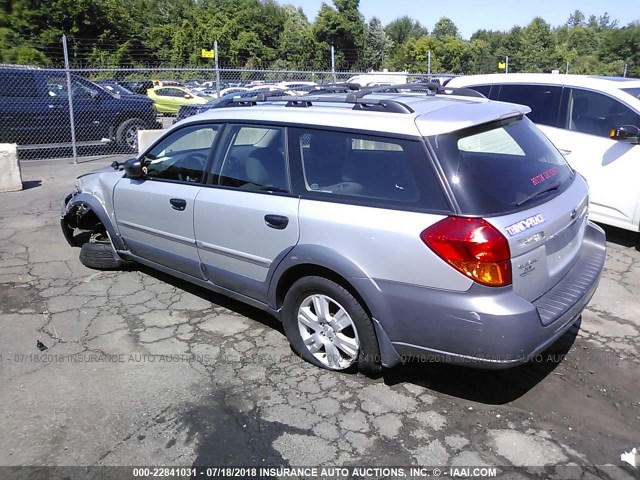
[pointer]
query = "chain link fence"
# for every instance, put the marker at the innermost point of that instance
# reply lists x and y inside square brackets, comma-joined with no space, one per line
[85,111]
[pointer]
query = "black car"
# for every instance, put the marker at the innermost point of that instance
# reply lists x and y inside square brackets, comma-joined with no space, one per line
[136,86]
[35,110]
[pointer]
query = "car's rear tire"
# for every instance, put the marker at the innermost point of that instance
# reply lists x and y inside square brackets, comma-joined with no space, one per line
[127,134]
[329,328]
[99,255]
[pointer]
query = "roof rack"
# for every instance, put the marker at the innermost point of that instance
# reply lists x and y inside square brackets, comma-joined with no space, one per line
[353,96]
[324,88]
[430,88]
[377,105]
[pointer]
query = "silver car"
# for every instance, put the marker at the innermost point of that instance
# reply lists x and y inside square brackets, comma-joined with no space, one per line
[375,226]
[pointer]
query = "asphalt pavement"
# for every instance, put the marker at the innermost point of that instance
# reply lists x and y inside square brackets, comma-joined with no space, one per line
[144,369]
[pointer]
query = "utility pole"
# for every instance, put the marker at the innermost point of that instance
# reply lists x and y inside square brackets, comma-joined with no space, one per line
[333,63]
[429,62]
[215,65]
[70,99]
[506,64]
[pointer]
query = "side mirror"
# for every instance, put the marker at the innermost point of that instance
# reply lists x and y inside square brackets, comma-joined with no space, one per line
[133,168]
[625,133]
[94,93]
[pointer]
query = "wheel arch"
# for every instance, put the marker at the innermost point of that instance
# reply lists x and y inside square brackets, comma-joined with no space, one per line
[298,271]
[97,209]
[316,260]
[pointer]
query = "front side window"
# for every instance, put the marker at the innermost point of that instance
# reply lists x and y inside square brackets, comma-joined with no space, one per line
[170,92]
[500,168]
[57,87]
[542,99]
[181,156]
[254,158]
[595,114]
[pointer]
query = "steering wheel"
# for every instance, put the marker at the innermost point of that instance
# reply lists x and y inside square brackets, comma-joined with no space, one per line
[195,162]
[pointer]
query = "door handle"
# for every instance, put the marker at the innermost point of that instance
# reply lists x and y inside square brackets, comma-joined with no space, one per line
[178,204]
[278,222]
[564,151]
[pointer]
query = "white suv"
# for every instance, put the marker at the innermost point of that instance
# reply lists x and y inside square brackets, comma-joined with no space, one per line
[582,116]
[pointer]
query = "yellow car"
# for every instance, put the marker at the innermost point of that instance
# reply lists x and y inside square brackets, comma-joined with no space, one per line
[169,99]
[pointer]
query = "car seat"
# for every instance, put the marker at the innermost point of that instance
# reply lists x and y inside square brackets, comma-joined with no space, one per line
[267,166]
[323,161]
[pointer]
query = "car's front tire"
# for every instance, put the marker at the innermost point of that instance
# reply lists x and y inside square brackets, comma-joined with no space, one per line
[98,254]
[328,327]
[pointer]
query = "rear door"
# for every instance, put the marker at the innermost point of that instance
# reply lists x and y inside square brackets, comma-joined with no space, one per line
[246,219]
[155,214]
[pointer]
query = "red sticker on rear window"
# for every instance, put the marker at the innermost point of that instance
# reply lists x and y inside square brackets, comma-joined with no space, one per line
[544,175]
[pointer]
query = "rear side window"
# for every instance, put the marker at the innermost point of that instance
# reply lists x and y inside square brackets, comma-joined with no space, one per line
[544,101]
[254,158]
[498,169]
[367,169]
[483,89]
[18,85]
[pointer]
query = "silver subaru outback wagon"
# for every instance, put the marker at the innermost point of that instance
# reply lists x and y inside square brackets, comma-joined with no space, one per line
[376,225]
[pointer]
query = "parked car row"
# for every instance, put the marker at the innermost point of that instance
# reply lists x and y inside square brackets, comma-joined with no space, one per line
[169,95]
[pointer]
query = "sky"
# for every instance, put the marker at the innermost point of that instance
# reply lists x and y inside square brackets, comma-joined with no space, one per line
[472,15]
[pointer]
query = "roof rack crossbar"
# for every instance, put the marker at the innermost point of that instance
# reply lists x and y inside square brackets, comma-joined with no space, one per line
[392,106]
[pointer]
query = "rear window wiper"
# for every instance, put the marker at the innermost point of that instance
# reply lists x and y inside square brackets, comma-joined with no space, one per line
[553,186]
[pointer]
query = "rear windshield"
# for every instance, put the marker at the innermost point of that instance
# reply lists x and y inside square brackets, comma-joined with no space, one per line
[501,167]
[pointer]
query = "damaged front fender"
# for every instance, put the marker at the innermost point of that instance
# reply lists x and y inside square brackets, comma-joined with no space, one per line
[85,212]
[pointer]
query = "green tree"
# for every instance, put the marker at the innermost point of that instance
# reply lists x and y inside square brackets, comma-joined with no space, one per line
[576,19]
[298,48]
[415,54]
[376,45]
[343,28]
[538,52]
[403,28]
[445,28]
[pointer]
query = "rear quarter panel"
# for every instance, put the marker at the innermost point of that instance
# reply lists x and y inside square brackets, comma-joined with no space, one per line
[384,243]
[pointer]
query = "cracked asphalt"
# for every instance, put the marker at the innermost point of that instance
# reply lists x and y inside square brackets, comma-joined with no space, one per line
[144,369]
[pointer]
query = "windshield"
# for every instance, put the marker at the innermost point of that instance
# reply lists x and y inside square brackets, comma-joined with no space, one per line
[632,91]
[495,169]
[115,88]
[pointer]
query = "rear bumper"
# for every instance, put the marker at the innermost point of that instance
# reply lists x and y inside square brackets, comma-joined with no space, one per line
[489,327]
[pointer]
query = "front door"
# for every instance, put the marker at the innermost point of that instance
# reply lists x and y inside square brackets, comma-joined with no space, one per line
[611,167]
[246,219]
[155,214]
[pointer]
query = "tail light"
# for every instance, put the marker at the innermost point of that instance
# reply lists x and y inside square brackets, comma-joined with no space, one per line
[472,246]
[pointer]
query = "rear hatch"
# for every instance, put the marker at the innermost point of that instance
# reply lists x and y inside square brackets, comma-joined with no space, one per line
[508,173]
